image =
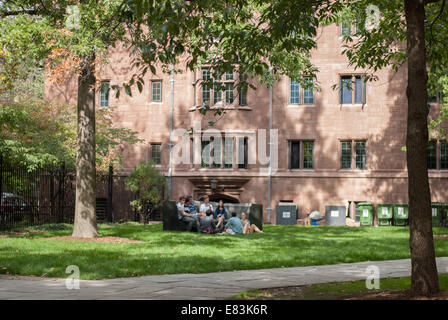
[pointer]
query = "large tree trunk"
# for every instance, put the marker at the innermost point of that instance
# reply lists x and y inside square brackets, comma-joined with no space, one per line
[424,269]
[85,216]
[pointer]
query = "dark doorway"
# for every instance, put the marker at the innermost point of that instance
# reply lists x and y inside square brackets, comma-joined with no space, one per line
[224,197]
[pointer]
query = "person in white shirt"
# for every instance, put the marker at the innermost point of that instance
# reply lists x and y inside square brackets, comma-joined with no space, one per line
[205,206]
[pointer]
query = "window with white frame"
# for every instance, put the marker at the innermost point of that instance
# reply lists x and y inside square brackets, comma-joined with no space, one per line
[156,153]
[156,91]
[221,89]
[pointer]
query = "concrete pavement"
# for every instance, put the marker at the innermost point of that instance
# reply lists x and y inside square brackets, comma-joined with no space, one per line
[199,286]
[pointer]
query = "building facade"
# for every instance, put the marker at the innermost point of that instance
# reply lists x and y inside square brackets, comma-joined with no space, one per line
[335,146]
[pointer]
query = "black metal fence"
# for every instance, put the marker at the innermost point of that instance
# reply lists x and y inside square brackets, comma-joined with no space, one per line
[48,196]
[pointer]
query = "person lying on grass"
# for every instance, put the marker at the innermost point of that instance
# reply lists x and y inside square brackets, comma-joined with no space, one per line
[247,227]
[234,226]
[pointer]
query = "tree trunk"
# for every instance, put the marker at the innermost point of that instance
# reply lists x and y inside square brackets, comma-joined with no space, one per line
[424,269]
[85,203]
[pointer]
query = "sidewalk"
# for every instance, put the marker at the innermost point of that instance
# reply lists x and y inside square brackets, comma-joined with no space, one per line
[200,286]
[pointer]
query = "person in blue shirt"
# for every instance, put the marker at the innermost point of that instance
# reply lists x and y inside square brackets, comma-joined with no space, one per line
[220,216]
[234,226]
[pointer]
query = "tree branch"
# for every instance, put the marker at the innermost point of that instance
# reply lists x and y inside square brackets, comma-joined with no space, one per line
[17,12]
[438,16]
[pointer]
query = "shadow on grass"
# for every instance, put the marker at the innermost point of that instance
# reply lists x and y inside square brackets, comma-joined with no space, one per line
[182,252]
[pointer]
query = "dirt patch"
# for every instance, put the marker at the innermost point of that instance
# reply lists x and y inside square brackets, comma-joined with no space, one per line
[439,236]
[99,239]
[298,293]
[396,295]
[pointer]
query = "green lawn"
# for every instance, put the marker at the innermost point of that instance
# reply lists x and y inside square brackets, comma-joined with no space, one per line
[181,252]
[332,290]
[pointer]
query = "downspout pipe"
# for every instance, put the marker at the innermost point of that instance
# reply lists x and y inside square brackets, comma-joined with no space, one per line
[269,209]
[170,168]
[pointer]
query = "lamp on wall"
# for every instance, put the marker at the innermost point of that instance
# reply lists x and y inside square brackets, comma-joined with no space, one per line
[213,183]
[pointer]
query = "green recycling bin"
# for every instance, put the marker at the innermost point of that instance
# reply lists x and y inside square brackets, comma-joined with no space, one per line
[384,214]
[401,214]
[365,210]
[436,214]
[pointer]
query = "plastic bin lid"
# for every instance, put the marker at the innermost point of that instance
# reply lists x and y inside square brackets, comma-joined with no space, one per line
[364,204]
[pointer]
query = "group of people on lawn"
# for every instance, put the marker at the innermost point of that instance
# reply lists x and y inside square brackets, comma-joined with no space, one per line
[207,220]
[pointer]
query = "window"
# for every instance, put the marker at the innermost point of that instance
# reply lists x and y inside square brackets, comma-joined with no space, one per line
[156,153]
[308,154]
[294,92]
[228,153]
[216,153]
[308,93]
[298,160]
[206,92]
[242,153]
[223,88]
[443,155]
[104,94]
[350,95]
[346,29]
[360,154]
[294,155]
[432,154]
[156,91]
[358,89]
[217,94]
[205,158]
[349,28]
[229,92]
[346,154]
[243,92]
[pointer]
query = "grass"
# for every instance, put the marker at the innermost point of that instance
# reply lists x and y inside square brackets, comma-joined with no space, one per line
[181,252]
[332,290]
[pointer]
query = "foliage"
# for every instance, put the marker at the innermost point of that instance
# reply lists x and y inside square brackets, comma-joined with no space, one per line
[147,183]
[37,133]
[251,36]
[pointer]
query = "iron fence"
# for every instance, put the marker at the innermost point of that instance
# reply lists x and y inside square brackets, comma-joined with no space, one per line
[47,195]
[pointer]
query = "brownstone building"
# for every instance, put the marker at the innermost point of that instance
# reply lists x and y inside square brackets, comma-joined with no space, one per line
[335,147]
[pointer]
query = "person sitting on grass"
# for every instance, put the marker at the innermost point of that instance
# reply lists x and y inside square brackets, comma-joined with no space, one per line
[186,218]
[234,226]
[220,215]
[207,224]
[247,227]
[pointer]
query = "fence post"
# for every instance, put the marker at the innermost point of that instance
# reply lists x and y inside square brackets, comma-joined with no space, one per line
[61,192]
[110,194]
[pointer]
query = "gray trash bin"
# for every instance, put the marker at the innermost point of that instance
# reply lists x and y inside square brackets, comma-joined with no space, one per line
[286,213]
[335,215]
